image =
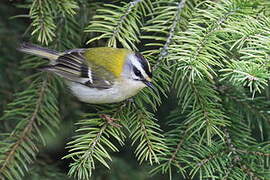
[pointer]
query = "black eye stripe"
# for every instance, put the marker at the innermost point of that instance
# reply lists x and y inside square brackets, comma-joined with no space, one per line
[137,72]
[145,64]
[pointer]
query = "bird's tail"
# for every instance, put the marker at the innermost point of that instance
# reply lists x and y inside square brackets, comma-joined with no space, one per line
[39,51]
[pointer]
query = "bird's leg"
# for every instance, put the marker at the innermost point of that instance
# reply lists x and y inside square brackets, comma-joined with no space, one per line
[130,100]
[125,103]
[110,120]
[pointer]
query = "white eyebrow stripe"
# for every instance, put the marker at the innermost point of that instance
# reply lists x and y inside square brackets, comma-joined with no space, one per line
[137,64]
[149,67]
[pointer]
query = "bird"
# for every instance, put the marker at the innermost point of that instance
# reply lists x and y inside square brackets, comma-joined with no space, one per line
[97,75]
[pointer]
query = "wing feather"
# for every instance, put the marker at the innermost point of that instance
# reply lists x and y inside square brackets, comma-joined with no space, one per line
[73,66]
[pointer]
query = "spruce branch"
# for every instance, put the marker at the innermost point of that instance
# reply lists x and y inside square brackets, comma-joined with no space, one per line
[94,137]
[206,98]
[164,51]
[175,154]
[211,157]
[147,134]
[198,52]
[212,54]
[189,155]
[29,108]
[35,108]
[255,110]
[43,22]
[144,132]
[237,159]
[208,162]
[46,171]
[119,23]
[44,12]
[161,27]
[27,130]
[246,74]
[200,47]
[257,153]
[178,148]
[251,43]
[173,17]
[239,144]
[66,7]
[206,117]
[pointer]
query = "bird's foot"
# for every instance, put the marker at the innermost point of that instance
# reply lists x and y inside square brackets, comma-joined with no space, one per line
[130,100]
[126,103]
[110,120]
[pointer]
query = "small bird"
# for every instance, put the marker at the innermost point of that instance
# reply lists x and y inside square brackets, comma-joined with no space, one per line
[97,75]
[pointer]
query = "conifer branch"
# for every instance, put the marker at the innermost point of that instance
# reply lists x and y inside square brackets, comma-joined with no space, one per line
[146,133]
[24,135]
[119,23]
[44,12]
[210,158]
[251,109]
[29,109]
[43,22]
[164,50]
[249,68]
[195,57]
[35,108]
[173,159]
[176,141]
[237,160]
[148,142]
[89,146]
[247,74]
[211,54]
[43,170]
[257,153]
[178,147]
[207,117]
[123,18]
[254,110]
[160,29]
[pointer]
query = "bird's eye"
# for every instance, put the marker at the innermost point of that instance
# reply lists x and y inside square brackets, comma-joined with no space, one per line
[137,72]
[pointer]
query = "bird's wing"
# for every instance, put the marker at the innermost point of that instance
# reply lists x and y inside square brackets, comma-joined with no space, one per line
[73,66]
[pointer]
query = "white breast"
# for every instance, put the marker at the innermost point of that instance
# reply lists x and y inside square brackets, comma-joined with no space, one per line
[118,92]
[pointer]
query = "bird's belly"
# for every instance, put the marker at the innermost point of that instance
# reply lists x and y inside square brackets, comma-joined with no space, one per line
[116,93]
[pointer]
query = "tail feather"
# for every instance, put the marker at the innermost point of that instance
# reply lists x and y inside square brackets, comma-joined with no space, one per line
[39,51]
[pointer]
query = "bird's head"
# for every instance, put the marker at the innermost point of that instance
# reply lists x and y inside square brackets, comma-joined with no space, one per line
[138,69]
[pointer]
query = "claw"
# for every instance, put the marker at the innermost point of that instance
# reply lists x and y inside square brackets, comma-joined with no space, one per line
[110,120]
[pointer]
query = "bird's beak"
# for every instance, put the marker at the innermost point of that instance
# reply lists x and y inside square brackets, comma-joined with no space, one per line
[149,84]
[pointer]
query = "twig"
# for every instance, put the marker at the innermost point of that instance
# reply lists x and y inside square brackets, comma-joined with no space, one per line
[164,51]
